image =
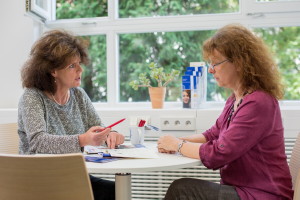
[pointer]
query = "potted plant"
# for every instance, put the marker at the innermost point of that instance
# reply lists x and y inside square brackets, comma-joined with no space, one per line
[157,93]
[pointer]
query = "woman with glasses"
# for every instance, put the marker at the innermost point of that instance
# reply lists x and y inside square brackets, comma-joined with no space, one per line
[247,142]
[55,115]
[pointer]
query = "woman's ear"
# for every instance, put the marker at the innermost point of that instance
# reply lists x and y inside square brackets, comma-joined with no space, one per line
[54,73]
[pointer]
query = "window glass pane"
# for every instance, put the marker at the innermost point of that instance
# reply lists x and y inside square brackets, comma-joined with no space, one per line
[72,9]
[42,4]
[138,8]
[170,50]
[94,78]
[285,43]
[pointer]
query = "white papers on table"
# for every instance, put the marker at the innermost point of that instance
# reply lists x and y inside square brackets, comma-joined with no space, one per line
[132,153]
[94,149]
[125,152]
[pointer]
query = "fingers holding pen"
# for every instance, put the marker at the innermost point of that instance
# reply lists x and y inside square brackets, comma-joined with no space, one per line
[100,134]
[95,136]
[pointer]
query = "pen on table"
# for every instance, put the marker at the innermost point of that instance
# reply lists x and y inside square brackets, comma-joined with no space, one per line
[152,127]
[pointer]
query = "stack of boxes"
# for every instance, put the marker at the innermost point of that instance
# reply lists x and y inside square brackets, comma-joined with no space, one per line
[194,85]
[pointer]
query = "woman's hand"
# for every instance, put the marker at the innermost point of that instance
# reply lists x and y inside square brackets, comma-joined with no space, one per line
[168,144]
[95,136]
[114,139]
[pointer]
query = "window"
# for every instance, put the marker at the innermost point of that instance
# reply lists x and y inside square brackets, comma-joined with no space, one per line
[171,50]
[42,9]
[94,78]
[127,35]
[80,9]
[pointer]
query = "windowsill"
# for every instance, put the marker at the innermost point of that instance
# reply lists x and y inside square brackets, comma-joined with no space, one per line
[284,105]
[139,106]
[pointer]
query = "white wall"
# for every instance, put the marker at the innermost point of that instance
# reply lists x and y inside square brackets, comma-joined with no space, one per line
[204,119]
[16,37]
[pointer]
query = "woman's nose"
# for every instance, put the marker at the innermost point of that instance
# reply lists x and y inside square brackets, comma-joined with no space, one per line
[210,70]
[80,69]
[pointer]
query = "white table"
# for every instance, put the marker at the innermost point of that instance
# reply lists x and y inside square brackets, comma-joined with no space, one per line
[124,167]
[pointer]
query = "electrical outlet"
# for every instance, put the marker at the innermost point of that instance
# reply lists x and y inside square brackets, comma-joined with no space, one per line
[178,123]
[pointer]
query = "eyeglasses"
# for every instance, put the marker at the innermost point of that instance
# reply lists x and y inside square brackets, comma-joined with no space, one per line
[213,66]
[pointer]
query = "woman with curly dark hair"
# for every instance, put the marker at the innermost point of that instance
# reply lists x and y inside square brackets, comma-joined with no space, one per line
[55,115]
[247,142]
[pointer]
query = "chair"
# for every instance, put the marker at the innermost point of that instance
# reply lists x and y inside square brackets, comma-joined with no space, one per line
[47,177]
[297,187]
[9,139]
[295,168]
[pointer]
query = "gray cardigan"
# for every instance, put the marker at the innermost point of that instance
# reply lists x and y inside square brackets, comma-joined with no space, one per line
[46,127]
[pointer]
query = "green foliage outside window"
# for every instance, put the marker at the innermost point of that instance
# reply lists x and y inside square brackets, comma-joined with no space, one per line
[72,9]
[149,8]
[170,50]
[94,78]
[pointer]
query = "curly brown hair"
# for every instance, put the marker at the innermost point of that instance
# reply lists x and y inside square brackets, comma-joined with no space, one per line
[250,55]
[52,51]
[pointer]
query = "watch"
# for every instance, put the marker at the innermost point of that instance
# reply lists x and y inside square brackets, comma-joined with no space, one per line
[180,146]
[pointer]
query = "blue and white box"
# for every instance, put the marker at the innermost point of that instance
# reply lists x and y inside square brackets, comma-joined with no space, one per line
[196,76]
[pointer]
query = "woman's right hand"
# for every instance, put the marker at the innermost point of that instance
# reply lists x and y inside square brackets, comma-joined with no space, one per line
[95,136]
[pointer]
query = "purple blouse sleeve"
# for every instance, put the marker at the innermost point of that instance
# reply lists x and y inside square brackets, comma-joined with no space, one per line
[253,120]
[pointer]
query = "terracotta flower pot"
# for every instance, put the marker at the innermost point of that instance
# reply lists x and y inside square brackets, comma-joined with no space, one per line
[157,96]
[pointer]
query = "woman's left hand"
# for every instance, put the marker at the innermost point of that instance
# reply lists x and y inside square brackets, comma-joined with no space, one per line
[168,144]
[114,139]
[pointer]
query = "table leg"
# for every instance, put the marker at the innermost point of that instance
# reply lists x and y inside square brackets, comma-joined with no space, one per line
[123,186]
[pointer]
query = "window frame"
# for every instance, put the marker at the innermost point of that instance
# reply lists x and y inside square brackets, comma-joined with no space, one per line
[251,14]
[39,13]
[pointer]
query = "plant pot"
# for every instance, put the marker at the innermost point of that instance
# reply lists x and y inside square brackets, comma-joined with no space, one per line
[157,96]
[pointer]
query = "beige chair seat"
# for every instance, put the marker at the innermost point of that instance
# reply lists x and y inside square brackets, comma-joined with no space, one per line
[44,177]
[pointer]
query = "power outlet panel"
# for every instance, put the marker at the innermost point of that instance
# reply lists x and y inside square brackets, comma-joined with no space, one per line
[178,123]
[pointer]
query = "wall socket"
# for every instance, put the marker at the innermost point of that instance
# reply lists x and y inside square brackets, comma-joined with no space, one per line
[178,123]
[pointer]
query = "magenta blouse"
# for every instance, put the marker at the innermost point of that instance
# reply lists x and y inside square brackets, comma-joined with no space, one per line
[249,151]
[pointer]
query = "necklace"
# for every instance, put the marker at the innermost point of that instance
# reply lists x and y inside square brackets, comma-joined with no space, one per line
[229,119]
[57,101]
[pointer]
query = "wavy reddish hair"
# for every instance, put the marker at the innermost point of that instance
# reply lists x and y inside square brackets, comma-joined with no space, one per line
[250,55]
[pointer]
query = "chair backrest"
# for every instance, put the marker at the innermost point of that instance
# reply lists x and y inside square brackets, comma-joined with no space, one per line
[295,167]
[47,177]
[297,187]
[9,139]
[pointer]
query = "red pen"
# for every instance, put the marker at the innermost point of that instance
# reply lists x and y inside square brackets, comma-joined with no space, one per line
[115,123]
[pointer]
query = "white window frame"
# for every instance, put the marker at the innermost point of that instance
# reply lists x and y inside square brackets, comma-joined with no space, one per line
[40,13]
[252,14]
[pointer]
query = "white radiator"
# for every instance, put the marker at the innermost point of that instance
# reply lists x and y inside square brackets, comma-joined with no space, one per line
[153,185]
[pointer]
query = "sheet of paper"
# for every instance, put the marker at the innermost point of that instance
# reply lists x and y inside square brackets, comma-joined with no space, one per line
[132,153]
[94,149]
[124,151]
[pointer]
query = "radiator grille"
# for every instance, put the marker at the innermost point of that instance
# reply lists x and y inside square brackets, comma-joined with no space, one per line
[153,185]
